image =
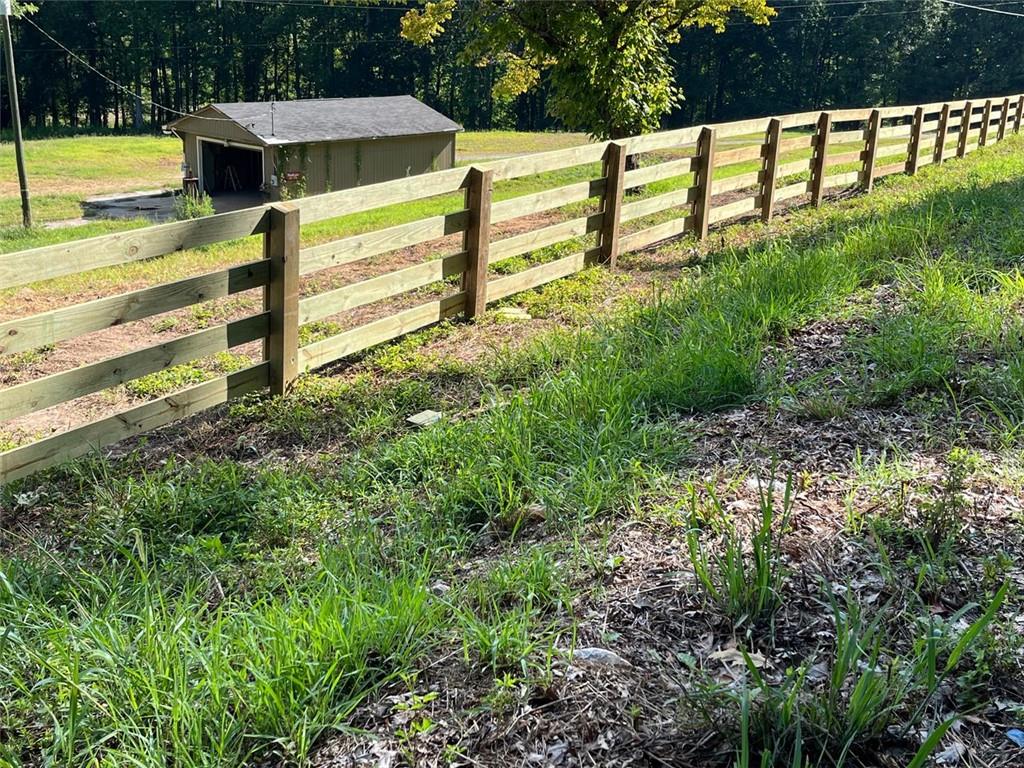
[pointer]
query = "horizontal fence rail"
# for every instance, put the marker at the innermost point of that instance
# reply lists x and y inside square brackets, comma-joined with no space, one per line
[472,251]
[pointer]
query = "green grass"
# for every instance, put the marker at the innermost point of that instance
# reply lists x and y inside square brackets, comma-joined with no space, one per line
[213,612]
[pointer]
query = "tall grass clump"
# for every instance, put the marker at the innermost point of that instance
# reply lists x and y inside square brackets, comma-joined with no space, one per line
[744,575]
[125,669]
[871,695]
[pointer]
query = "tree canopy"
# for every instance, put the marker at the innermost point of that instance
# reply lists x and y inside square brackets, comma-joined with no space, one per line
[486,69]
[607,62]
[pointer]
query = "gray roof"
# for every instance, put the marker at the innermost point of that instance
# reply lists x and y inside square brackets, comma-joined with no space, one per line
[310,120]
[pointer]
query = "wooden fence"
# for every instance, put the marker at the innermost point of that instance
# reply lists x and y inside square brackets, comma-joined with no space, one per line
[888,140]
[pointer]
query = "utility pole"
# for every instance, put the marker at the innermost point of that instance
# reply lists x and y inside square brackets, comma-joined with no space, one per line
[12,91]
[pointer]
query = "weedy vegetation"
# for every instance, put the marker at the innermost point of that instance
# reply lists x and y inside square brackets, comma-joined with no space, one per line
[316,570]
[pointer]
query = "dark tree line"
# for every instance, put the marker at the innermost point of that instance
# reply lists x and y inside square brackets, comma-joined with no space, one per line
[181,54]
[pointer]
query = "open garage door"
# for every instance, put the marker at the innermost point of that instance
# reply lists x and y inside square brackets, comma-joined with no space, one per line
[230,169]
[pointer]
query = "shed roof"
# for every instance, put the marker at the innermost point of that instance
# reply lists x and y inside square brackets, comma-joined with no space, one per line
[310,120]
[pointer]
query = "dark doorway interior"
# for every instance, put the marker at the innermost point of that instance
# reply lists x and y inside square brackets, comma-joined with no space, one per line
[231,169]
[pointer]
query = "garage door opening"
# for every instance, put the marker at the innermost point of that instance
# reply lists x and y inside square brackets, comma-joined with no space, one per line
[231,169]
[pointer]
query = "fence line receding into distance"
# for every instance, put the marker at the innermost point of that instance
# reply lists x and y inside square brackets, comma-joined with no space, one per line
[708,174]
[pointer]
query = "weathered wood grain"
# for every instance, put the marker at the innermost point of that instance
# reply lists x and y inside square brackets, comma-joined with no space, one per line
[32,396]
[26,460]
[57,325]
[50,261]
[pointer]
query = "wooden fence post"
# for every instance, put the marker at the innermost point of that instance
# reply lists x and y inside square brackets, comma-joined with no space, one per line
[820,158]
[915,141]
[1020,113]
[940,137]
[614,185]
[1004,115]
[986,119]
[965,128]
[477,240]
[281,296]
[705,177]
[771,167]
[867,181]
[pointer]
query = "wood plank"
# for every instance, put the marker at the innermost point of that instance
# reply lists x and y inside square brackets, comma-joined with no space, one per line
[541,162]
[373,289]
[705,178]
[842,179]
[611,204]
[914,148]
[770,172]
[651,173]
[539,275]
[330,205]
[541,238]
[965,120]
[32,396]
[80,441]
[645,237]
[50,261]
[379,331]
[378,241]
[847,137]
[850,115]
[647,206]
[1020,114]
[732,183]
[867,179]
[57,325]
[1004,116]
[793,190]
[819,159]
[477,241]
[735,208]
[739,155]
[938,150]
[797,142]
[895,132]
[887,113]
[795,167]
[800,119]
[887,170]
[986,122]
[281,296]
[664,140]
[526,205]
[844,158]
[891,150]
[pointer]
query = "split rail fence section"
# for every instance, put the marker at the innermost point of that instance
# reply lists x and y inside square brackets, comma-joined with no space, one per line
[889,140]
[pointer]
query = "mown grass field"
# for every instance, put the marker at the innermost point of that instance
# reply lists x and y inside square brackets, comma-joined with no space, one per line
[768,487]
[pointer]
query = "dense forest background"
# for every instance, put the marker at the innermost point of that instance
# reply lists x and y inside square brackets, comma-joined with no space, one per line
[182,54]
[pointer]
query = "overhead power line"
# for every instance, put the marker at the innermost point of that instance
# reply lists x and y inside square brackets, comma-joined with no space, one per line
[984,8]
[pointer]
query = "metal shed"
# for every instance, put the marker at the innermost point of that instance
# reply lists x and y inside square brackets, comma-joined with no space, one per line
[285,149]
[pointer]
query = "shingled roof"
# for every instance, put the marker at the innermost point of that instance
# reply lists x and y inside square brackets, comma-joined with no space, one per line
[311,120]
